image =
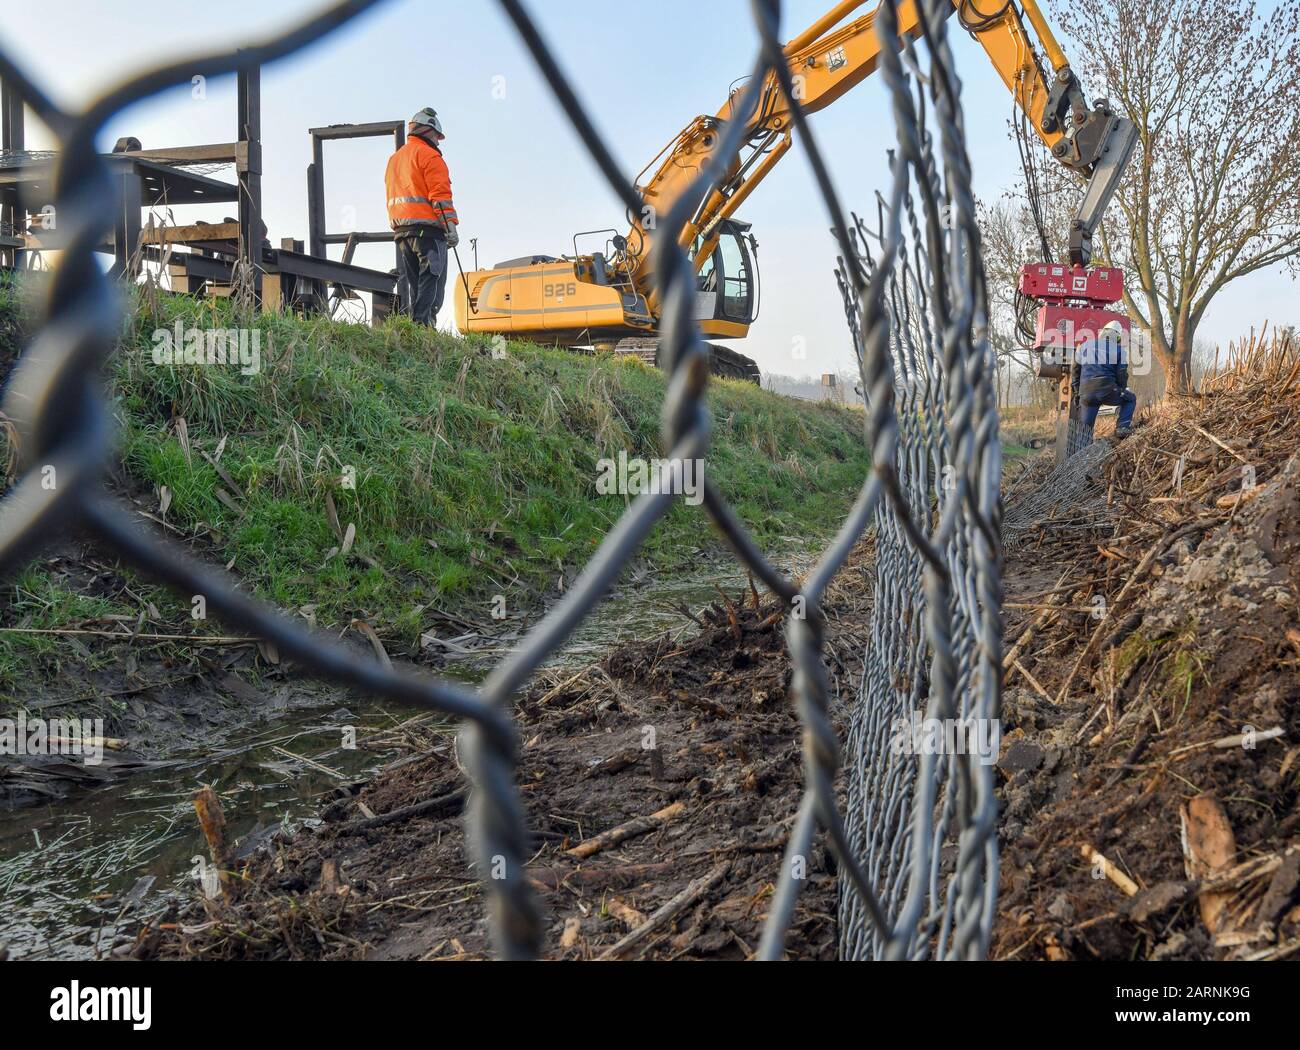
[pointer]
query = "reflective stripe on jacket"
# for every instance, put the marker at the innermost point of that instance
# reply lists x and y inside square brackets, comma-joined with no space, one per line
[418,187]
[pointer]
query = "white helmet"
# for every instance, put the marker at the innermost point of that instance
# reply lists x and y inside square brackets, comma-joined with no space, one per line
[427,118]
[1114,328]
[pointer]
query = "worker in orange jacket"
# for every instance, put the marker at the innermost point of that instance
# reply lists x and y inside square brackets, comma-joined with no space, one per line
[422,215]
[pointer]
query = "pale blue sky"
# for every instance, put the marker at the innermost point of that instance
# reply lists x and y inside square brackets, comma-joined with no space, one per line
[523,183]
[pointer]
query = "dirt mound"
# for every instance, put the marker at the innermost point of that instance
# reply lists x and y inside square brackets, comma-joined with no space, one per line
[1153,703]
[702,819]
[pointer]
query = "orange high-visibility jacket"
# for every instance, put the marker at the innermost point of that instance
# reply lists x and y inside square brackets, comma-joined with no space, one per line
[418,187]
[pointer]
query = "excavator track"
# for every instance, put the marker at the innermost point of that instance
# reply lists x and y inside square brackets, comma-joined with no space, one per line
[723,361]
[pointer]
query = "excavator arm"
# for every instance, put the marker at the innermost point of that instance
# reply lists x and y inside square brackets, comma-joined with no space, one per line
[827,60]
[1091,140]
[612,303]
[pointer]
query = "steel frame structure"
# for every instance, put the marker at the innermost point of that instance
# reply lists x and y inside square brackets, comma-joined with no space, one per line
[284,278]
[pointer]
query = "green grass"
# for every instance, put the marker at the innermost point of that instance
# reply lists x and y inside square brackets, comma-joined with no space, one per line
[473,475]
[1020,427]
[1179,664]
[41,602]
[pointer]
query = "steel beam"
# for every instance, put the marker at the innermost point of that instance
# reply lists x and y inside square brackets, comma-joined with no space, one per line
[12,139]
[213,153]
[330,271]
[318,233]
[377,237]
[250,180]
[126,226]
[360,131]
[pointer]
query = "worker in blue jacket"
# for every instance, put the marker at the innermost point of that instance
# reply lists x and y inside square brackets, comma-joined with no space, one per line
[1103,378]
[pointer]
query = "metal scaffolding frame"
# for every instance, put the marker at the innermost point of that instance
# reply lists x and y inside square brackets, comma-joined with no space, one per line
[283,278]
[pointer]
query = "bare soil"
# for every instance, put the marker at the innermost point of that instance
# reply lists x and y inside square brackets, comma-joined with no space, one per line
[1122,721]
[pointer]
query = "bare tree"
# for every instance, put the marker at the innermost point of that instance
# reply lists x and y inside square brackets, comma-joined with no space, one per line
[1213,193]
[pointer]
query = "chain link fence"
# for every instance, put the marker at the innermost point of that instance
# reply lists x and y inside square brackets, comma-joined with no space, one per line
[933,495]
[923,737]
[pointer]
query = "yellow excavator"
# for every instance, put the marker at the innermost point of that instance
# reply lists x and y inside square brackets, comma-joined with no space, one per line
[606,300]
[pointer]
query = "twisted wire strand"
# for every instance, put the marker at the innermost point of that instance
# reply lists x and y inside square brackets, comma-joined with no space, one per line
[940,562]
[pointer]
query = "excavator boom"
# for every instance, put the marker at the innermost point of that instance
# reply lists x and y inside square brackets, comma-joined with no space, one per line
[604,298]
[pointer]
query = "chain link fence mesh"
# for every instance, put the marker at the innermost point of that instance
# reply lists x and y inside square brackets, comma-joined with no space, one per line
[917,854]
[1072,498]
[921,815]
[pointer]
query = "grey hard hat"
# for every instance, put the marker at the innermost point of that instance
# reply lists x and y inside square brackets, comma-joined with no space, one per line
[428,117]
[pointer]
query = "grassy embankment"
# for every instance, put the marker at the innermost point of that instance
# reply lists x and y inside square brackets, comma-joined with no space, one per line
[474,475]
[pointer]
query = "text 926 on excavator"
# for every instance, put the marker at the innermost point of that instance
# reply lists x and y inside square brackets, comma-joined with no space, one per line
[606,299]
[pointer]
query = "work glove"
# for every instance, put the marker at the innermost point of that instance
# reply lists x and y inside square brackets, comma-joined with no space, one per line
[453,235]
[1123,378]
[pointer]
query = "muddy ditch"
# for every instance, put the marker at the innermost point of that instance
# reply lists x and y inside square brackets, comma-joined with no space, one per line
[86,849]
[702,818]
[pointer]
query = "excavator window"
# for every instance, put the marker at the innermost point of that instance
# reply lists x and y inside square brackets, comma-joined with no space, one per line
[707,279]
[726,277]
[736,285]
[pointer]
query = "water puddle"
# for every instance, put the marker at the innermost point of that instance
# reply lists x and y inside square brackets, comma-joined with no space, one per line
[67,868]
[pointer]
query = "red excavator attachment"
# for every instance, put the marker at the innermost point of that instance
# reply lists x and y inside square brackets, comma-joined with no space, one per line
[1074,304]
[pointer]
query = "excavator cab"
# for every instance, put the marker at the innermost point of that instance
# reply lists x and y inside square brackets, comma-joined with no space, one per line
[727,282]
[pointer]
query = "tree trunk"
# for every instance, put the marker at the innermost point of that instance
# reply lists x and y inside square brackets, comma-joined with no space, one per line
[1180,376]
[1178,371]
[1176,362]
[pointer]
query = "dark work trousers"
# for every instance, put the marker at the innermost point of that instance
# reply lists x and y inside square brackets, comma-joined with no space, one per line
[424,271]
[1126,400]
